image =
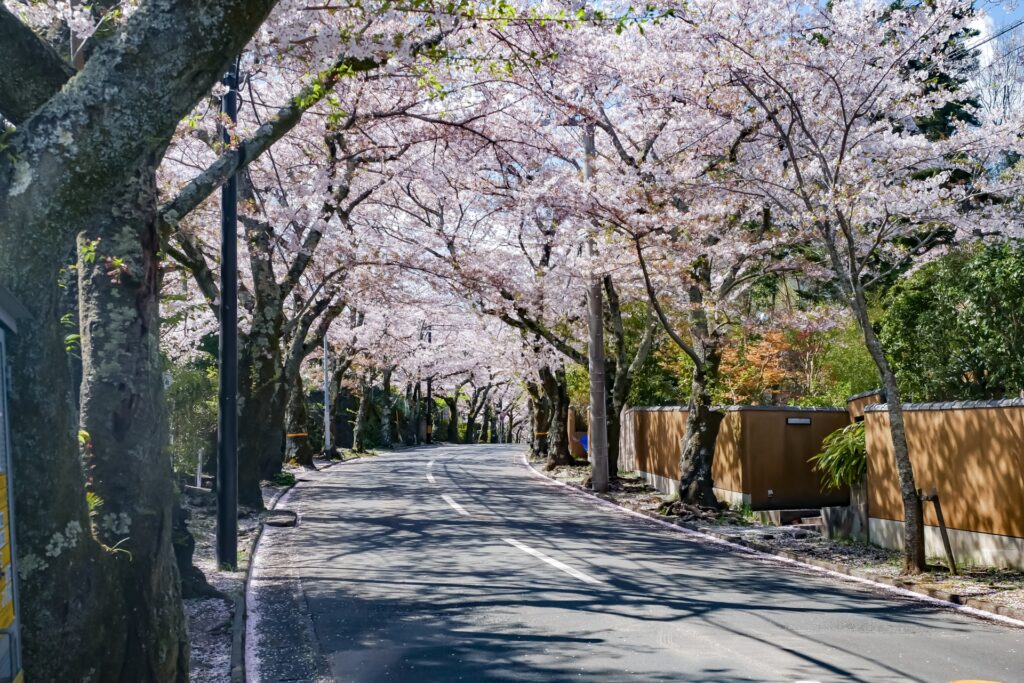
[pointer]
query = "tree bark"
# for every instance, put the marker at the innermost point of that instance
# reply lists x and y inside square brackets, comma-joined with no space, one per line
[556,398]
[598,444]
[362,415]
[122,414]
[68,588]
[193,581]
[485,424]
[411,423]
[696,485]
[621,369]
[31,71]
[299,449]
[914,559]
[453,409]
[387,410]
[540,420]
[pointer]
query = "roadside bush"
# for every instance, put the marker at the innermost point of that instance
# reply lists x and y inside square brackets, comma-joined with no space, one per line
[954,329]
[191,414]
[843,459]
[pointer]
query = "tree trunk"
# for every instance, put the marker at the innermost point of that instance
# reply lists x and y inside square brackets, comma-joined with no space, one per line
[122,413]
[411,422]
[696,485]
[485,424]
[359,433]
[262,399]
[453,421]
[193,581]
[53,181]
[598,444]
[556,396]
[387,410]
[68,587]
[620,370]
[535,408]
[299,448]
[500,427]
[914,560]
[493,429]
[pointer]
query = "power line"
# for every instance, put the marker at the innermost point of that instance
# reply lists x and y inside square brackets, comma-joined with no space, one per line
[956,54]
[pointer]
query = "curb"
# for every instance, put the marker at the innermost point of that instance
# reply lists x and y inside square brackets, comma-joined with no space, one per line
[967,605]
[240,615]
[238,670]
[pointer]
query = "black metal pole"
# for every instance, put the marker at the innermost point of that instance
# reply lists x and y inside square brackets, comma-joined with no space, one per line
[430,410]
[227,434]
[430,395]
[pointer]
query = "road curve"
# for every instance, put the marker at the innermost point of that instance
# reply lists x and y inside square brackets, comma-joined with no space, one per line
[456,564]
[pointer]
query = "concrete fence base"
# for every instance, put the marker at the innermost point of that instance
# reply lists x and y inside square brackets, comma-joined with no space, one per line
[969,547]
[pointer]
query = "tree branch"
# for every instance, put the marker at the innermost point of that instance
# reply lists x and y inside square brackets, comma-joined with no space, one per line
[31,71]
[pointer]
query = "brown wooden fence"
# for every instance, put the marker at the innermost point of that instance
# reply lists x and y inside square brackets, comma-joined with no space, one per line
[761,456]
[972,453]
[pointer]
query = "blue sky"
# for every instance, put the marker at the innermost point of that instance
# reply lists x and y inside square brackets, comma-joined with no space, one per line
[1000,15]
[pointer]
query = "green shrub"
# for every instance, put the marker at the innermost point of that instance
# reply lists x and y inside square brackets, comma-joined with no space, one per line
[284,479]
[192,413]
[953,330]
[843,459]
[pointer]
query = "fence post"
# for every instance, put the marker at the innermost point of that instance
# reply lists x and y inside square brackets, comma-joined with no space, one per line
[934,498]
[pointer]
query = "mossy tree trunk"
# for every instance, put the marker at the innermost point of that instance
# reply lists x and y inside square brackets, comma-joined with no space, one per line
[299,449]
[556,399]
[359,432]
[452,401]
[122,413]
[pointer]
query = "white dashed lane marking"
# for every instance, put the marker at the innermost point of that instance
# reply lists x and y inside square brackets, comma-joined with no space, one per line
[458,508]
[558,564]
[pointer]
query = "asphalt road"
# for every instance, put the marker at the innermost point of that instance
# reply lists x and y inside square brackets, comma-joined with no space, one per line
[457,564]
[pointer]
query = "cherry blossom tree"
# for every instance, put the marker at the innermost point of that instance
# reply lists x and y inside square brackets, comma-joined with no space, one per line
[837,103]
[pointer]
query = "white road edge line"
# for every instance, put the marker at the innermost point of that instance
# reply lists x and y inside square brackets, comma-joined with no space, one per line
[458,508]
[980,614]
[552,561]
[430,474]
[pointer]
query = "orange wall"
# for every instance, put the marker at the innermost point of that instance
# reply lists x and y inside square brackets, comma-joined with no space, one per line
[974,456]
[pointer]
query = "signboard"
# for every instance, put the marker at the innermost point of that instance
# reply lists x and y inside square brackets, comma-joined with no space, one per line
[798,420]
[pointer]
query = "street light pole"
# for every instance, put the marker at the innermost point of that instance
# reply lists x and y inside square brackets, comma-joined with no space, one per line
[598,441]
[430,396]
[227,432]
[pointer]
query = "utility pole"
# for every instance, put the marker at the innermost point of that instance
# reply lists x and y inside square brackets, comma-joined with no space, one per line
[430,395]
[598,441]
[227,432]
[327,399]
